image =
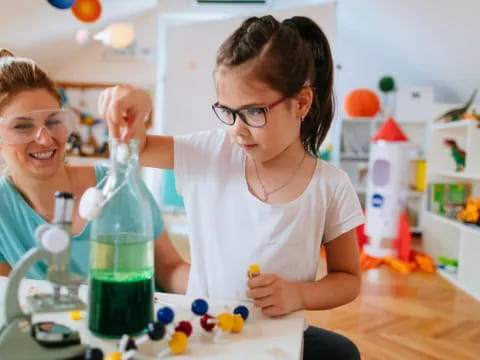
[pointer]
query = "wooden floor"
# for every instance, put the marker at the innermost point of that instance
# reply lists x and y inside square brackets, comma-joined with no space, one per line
[398,317]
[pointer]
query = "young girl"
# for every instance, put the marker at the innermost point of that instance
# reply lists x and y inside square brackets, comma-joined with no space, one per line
[33,134]
[258,193]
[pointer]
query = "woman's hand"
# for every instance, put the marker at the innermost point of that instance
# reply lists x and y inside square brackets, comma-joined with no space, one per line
[125,109]
[274,295]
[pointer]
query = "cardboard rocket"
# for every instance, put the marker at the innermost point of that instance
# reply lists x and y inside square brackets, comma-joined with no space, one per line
[387,188]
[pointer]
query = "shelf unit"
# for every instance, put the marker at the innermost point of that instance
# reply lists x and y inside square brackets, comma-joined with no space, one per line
[354,135]
[443,235]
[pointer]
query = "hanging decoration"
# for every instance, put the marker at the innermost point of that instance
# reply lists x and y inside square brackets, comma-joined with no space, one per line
[61,4]
[87,10]
[82,36]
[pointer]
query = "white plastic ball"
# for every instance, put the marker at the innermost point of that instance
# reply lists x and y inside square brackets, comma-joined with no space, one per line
[89,206]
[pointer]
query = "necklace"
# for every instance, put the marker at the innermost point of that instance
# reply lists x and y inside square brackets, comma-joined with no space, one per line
[266,194]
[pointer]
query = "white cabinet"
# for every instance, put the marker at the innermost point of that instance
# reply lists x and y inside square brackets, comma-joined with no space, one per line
[445,236]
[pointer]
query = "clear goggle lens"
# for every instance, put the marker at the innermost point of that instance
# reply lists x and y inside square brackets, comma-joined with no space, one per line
[27,127]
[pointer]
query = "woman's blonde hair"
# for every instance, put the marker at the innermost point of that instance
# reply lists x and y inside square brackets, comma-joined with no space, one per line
[19,74]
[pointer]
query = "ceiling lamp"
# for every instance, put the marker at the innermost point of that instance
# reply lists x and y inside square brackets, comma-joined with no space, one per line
[118,35]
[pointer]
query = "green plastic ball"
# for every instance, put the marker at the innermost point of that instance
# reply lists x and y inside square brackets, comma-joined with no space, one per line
[387,84]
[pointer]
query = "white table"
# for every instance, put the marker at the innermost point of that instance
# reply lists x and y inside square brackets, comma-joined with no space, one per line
[261,338]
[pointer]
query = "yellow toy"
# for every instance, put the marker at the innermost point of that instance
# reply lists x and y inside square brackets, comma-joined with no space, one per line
[471,212]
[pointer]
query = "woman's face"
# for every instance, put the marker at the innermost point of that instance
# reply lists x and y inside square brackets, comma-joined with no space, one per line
[40,154]
[235,90]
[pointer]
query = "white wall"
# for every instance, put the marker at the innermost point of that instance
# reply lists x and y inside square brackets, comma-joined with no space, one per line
[418,42]
[187,73]
[98,63]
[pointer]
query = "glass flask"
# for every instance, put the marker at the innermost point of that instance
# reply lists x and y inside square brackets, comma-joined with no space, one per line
[121,251]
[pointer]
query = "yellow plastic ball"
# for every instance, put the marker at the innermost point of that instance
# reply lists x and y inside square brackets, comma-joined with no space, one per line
[225,321]
[237,323]
[114,355]
[254,269]
[178,343]
[76,315]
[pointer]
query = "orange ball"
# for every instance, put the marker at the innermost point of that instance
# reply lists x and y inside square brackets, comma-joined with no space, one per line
[87,10]
[361,102]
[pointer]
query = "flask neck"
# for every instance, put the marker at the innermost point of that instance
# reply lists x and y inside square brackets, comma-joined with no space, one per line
[123,156]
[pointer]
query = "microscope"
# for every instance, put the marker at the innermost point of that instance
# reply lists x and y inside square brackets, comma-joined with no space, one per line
[20,337]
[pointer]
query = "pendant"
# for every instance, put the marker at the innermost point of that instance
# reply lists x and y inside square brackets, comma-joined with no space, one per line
[265,195]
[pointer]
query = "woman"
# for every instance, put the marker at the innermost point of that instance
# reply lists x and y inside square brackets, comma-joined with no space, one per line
[33,133]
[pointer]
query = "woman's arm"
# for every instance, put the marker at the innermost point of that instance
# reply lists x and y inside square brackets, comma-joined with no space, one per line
[5,268]
[277,296]
[171,271]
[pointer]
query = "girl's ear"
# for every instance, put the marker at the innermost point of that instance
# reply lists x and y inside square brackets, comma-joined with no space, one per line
[304,102]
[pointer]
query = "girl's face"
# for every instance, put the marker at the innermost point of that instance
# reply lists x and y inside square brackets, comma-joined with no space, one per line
[37,156]
[235,90]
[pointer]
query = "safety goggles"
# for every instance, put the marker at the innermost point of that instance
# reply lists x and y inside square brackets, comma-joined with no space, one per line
[31,126]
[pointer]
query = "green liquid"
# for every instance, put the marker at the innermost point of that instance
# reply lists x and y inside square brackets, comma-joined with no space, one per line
[120,285]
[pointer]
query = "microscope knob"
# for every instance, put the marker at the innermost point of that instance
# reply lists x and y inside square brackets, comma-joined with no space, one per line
[55,240]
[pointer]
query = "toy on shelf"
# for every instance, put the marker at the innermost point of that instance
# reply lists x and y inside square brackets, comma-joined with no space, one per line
[387,87]
[387,188]
[361,103]
[447,198]
[448,264]
[471,212]
[472,115]
[457,113]
[79,143]
[458,154]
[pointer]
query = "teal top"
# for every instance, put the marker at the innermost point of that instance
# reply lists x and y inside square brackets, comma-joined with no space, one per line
[18,222]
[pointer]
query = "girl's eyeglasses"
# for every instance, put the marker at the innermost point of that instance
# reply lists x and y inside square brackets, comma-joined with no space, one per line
[27,127]
[254,116]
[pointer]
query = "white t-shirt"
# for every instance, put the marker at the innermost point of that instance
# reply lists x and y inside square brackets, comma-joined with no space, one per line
[229,228]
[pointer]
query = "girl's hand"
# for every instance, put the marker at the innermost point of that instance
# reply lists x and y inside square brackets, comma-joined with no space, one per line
[125,109]
[274,295]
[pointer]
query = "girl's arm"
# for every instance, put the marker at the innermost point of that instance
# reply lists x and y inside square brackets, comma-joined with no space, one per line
[341,285]
[5,268]
[125,109]
[157,152]
[343,280]
[171,271]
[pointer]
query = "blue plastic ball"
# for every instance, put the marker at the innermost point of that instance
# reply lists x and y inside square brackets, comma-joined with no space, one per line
[242,310]
[199,307]
[62,4]
[165,315]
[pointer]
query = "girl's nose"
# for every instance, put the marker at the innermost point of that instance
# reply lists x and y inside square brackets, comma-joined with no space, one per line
[239,128]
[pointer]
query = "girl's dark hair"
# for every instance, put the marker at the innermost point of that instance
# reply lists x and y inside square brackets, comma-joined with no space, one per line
[19,74]
[288,56]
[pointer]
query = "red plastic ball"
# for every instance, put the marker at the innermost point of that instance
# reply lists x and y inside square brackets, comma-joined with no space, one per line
[185,327]
[205,324]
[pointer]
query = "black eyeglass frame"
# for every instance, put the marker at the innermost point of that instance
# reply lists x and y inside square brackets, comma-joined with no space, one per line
[242,116]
